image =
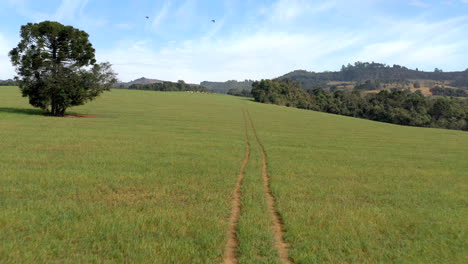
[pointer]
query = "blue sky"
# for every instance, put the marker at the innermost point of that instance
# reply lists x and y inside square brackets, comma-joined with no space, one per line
[251,39]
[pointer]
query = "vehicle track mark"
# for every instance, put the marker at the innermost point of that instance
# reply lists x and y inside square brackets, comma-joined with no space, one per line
[278,226]
[230,253]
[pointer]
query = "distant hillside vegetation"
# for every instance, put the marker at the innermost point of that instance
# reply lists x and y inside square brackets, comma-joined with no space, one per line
[141,80]
[401,107]
[158,85]
[8,82]
[224,87]
[168,87]
[363,71]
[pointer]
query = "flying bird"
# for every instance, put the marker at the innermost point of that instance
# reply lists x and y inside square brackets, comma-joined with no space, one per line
[214,21]
[147,17]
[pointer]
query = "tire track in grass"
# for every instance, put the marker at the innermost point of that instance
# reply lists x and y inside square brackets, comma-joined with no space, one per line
[230,253]
[278,226]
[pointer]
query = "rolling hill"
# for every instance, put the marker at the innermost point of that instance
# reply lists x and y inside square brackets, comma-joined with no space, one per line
[393,75]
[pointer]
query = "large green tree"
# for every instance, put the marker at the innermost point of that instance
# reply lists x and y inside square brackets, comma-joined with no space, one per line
[56,67]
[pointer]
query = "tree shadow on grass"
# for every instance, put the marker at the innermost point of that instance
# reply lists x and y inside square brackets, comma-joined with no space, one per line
[24,111]
[250,99]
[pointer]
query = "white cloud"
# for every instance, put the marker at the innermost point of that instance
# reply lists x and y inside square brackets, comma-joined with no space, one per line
[6,70]
[263,55]
[270,53]
[417,42]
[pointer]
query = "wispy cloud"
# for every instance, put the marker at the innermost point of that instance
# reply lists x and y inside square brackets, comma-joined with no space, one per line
[419,3]
[160,15]
[264,40]
[418,42]
[69,9]
[262,55]
[289,10]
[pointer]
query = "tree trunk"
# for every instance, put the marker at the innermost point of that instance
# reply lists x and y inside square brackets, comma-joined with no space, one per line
[57,110]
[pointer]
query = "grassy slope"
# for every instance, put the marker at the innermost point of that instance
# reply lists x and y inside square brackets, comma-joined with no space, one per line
[357,191]
[151,179]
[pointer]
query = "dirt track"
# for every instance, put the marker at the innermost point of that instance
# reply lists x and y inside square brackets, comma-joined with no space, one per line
[230,254]
[278,228]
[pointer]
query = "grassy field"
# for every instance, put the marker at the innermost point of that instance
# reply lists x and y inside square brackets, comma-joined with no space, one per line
[150,180]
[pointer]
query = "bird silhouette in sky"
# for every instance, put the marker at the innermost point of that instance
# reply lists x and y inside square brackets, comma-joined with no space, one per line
[147,17]
[214,21]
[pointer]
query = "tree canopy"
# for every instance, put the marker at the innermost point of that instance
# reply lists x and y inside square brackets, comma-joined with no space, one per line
[396,106]
[56,67]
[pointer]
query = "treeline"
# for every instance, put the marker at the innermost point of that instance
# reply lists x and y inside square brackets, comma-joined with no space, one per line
[225,87]
[444,91]
[169,86]
[362,71]
[396,106]
[240,92]
[8,82]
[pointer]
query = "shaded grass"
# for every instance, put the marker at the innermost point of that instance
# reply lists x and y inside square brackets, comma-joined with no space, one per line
[24,111]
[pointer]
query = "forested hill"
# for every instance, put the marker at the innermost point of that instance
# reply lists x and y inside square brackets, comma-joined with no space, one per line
[362,71]
[141,80]
[224,87]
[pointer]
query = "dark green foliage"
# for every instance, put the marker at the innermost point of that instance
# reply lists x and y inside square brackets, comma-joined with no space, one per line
[240,92]
[224,87]
[169,87]
[437,90]
[57,67]
[397,106]
[284,92]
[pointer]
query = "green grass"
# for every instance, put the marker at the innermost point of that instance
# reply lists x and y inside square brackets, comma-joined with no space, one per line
[150,180]
[254,230]
[357,191]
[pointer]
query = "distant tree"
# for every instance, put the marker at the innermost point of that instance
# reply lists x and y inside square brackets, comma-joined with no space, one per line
[179,86]
[8,82]
[57,67]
